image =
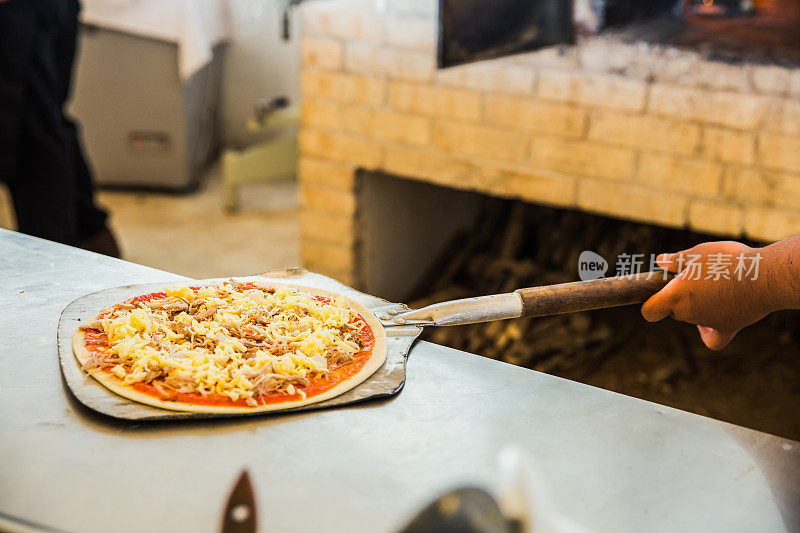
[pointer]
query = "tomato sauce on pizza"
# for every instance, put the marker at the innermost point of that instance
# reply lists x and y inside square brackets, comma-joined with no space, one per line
[238,345]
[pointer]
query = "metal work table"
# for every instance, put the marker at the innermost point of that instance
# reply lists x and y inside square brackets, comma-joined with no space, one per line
[612,463]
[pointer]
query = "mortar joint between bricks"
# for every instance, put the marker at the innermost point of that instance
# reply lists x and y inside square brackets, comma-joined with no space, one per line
[723,181]
[637,165]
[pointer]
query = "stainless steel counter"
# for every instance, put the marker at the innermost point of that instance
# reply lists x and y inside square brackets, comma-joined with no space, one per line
[611,462]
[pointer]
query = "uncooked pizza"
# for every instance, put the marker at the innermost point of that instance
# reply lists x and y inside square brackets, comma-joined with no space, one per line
[232,347]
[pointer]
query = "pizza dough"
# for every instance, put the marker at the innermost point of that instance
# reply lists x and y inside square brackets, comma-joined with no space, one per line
[133,391]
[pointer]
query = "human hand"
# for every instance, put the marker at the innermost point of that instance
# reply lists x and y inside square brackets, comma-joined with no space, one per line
[721,287]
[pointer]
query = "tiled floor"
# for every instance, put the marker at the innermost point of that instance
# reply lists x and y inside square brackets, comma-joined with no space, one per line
[192,234]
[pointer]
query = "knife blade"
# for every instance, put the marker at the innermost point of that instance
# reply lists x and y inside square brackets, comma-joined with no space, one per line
[240,512]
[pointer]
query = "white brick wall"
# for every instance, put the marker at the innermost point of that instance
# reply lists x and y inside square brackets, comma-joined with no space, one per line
[642,132]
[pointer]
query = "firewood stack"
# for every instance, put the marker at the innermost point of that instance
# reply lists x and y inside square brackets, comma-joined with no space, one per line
[527,246]
[522,245]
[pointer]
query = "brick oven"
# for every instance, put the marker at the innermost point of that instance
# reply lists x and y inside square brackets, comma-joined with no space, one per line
[644,132]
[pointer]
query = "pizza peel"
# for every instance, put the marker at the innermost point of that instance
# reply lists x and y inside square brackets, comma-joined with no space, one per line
[401,325]
[387,381]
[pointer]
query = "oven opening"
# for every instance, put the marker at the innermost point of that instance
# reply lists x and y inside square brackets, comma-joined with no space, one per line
[421,243]
[734,30]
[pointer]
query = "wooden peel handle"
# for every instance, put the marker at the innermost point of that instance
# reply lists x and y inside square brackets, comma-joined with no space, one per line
[594,294]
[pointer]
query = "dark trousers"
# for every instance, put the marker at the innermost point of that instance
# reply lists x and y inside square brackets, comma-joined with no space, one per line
[41,158]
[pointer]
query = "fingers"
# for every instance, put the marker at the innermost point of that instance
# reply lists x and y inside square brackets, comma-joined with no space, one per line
[715,339]
[660,305]
[673,262]
[668,262]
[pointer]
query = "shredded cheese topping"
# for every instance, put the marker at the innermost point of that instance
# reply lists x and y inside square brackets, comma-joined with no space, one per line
[238,340]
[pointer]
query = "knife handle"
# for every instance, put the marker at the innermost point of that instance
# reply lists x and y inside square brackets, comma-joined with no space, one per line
[593,294]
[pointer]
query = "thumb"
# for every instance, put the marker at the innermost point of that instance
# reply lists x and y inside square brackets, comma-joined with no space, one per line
[660,304]
[715,339]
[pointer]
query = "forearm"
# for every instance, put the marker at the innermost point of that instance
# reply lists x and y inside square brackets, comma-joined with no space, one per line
[782,272]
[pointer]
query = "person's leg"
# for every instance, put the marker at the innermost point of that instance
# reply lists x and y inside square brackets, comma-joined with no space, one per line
[91,218]
[93,233]
[43,192]
[53,193]
[17,30]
